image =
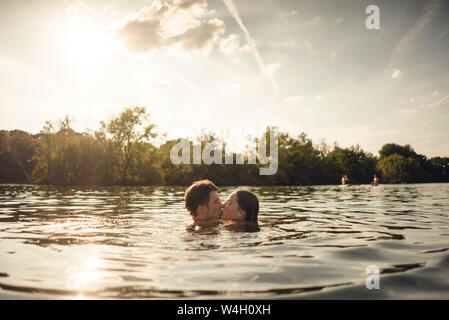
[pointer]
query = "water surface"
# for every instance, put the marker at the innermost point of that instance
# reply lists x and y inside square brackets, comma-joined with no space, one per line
[134,242]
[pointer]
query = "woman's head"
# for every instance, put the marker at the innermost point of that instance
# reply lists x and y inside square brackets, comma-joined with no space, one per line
[241,205]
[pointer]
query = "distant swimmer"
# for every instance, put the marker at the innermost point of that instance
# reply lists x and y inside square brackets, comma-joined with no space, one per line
[375,181]
[344,180]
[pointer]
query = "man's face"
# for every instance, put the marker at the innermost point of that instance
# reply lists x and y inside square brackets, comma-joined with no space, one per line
[214,206]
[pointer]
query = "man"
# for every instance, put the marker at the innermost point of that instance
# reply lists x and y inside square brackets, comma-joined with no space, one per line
[203,203]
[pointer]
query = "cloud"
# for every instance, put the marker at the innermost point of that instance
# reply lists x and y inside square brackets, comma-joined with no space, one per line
[192,87]
[428,100]
[272,68]
[294,99]
[232,89]
[106,8]
[141,35]
[438,40]
[252,44]
[231,45]
[179,24]
[410,42]
[288,14]
[76,4]
[435,103]
[408,112]
[161,85]
[396,74]
[333,55]
[199,38]
[188,4]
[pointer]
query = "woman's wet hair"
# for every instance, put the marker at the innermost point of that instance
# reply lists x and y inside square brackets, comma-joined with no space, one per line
[249,203]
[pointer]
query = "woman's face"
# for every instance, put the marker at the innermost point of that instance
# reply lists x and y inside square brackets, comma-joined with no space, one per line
[231,209]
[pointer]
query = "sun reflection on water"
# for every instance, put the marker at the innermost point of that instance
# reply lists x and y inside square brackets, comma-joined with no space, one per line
[85,276]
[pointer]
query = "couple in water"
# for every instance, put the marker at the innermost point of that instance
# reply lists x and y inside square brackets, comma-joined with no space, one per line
[204,205]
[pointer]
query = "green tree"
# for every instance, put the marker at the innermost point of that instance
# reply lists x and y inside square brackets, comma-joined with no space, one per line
[393,148]
[354,162]
[130,128]
[123,151]
[45,155]
[396,168]
[17,149]
[416,167]
[440,169]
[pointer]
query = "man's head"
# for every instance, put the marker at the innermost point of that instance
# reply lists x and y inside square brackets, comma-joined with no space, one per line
[202,200]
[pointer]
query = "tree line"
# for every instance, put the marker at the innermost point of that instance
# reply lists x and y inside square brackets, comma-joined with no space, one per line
[127,151]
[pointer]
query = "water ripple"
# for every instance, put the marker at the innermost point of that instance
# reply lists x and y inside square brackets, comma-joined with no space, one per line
[135,242]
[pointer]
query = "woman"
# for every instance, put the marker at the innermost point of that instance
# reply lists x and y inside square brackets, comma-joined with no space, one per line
[241,206]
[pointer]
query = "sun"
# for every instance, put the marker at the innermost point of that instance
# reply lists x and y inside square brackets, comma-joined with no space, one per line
[84,42]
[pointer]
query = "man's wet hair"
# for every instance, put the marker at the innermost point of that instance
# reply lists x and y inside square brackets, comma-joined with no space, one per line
[249,203]
[198,194]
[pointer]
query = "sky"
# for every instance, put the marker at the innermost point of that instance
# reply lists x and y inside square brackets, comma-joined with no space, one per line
[232,67]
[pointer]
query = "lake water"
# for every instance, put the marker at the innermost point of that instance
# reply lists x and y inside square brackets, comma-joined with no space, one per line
[314,242]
